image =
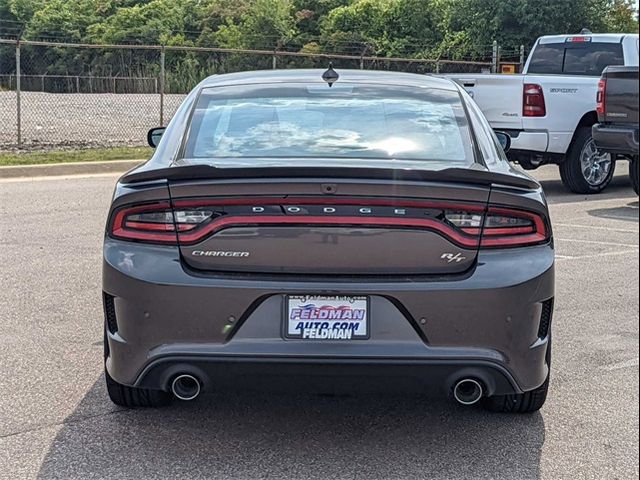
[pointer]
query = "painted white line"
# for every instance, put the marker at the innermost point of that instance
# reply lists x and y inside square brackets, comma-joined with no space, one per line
[615,217]
[61,177]
[595,242]
[590,201]
[634,362]
[596,255]
[592,227]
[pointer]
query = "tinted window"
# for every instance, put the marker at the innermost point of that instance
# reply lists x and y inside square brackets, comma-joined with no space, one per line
[588,58]
[315,121]
[547,58]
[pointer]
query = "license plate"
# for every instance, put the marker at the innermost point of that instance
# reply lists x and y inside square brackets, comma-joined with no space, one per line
[316,317]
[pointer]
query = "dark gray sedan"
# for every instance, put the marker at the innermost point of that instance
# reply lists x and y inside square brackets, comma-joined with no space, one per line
[339,227]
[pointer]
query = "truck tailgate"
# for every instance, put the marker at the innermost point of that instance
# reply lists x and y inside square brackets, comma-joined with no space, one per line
[498,96]
[621,95]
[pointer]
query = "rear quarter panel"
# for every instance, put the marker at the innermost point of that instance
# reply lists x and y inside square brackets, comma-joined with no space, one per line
[568,99]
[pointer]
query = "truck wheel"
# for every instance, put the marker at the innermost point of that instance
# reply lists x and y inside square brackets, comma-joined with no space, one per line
[634,174]
[132,397]
[586,170]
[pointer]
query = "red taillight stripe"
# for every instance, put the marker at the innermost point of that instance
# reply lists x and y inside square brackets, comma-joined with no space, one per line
[149,236]
[247,221]
[464,237]
[513,241]
[159,227]
[500,231]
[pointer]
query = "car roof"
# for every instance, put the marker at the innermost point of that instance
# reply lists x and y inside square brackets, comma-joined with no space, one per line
[311,76]
[597,37]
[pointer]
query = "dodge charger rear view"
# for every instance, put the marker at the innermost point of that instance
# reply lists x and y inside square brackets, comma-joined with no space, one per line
[303,225]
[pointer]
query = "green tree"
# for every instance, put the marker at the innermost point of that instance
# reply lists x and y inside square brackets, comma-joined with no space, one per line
[23,10]
[387,27]
[68,19]
[154,22]
[622,17]
[455,29]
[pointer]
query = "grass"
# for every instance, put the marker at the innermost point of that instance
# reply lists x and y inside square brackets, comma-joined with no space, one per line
[72,156]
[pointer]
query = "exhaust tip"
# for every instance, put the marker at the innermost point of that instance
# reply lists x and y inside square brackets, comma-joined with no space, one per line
[468,391]
[185,387]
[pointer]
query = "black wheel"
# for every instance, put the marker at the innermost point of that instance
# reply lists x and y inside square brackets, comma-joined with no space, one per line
[132,397]
[634,173]
[527,402]
[586,170]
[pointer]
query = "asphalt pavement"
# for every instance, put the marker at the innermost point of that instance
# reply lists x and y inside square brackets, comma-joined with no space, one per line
[57,422]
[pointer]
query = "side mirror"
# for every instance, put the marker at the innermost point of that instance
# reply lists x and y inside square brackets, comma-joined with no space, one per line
[505,141]
[154,135]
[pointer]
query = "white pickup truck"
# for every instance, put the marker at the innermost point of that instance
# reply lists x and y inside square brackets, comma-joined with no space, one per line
[549,109]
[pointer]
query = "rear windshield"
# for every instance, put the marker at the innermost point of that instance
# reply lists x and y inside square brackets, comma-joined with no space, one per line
[348,121]
[587,58]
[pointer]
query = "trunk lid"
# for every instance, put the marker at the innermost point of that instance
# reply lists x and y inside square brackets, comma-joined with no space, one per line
[326,225]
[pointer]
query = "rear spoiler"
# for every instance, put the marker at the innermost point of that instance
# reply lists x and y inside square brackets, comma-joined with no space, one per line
[464,175]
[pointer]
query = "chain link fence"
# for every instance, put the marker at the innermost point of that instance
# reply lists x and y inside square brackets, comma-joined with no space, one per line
[55,95]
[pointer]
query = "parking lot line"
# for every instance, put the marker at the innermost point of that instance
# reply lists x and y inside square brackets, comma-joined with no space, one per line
[597,242]
[593,227]
[634,362]
[596,255]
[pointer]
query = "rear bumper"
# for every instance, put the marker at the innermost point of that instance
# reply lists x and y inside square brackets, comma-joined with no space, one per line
[484,323]
[616,138]
[219,372]
[529,141]
[541,145]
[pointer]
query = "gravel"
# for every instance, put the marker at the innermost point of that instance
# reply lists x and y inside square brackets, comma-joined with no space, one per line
[81,120]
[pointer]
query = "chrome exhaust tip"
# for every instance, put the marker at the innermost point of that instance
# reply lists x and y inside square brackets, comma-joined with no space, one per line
[468,391]
[185,387]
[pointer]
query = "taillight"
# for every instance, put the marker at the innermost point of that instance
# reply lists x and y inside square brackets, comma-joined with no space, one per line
[581,39]
[513,228]
[533,104]
[501,228]
[190,222]
[156,223]
[601,106]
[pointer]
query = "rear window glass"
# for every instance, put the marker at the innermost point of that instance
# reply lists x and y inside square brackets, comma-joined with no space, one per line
[348,121]
[588,58]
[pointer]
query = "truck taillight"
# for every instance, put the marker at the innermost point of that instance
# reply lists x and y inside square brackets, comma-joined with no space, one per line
[582,39]
[533,104]
[601,107]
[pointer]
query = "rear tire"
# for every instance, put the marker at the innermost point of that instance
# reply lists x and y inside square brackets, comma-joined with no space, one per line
[634,173]
[585,170]
[527,402]
[132,397]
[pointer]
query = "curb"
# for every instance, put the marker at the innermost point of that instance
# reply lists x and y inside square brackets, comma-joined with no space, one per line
[76,168]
